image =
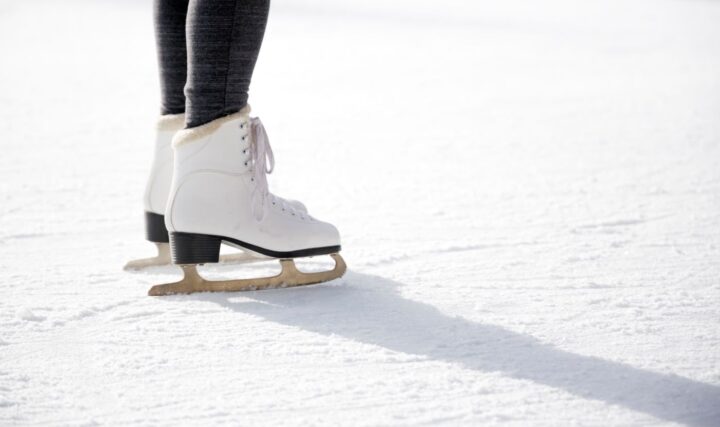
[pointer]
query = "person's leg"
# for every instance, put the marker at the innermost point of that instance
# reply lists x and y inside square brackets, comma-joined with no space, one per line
[223,41]
[170,17]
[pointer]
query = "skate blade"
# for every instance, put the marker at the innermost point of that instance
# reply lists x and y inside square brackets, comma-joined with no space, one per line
[163,258]
[289,276]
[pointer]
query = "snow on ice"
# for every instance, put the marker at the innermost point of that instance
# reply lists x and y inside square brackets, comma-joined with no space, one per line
[528,194]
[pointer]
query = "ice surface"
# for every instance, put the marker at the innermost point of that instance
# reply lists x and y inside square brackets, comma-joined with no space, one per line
[528,193]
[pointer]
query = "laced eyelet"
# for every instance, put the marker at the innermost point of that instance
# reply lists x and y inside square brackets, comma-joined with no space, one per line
[244,151]
[243,138]
[246,163]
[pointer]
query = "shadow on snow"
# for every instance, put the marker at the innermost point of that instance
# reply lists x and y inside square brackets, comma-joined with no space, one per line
[370,310]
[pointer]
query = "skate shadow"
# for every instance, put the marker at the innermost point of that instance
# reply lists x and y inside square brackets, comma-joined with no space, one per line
[369,309]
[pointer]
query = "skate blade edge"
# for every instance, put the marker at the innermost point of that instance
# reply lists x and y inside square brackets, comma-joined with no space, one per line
[163,258]
[289,276]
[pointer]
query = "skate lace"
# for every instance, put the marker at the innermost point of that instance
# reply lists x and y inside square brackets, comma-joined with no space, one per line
[263,161]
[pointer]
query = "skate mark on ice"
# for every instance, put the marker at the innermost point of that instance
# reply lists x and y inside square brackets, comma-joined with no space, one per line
[616,223]
[388,260]
[28,315]
[6,403]
[22,236]
[82,313]
[137,315]
[99,309]
[369,309]
[478,247]
[442,250]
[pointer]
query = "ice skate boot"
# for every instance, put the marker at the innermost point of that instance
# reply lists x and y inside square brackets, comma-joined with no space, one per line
[219,194]
[156,192]
[156,195]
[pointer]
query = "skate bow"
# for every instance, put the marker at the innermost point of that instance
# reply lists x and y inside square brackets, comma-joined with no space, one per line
[263,165]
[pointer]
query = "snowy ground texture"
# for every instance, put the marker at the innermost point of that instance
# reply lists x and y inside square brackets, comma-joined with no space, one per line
[529,196]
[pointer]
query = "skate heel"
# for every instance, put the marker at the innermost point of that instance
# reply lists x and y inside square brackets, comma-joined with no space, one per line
[191,248]
[155,230]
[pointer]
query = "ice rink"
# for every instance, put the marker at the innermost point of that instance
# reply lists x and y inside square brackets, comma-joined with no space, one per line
[528,194]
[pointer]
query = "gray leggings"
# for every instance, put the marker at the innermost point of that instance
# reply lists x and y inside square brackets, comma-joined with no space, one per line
[209,49]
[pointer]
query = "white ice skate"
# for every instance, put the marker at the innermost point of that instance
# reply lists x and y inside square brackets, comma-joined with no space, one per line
[219,194]
[157,190]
